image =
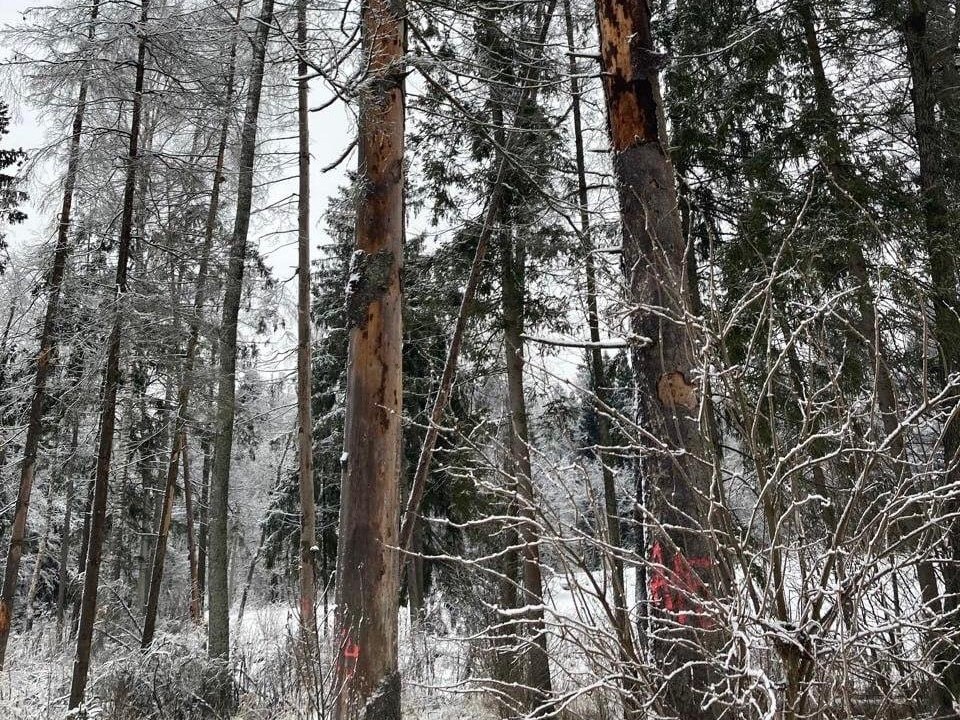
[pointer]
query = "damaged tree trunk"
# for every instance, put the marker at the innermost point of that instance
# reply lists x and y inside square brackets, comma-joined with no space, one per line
[367,681]
[674,483]
[111,382]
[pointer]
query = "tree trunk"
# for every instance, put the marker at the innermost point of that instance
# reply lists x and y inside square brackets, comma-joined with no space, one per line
[941,246]
[308,503]
[367,680]
[536,658]
[218,629]
[88,604]
[67,529]
[191,534]
[203,516]
[45,359]
[674,482]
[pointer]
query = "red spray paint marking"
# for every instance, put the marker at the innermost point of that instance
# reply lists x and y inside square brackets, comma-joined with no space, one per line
[350,652]
[671,587]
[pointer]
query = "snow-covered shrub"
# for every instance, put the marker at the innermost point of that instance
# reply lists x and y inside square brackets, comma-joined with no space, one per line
[173,680]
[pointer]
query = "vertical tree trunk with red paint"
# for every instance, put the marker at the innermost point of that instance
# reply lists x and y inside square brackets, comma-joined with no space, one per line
[675,484]
[367,681]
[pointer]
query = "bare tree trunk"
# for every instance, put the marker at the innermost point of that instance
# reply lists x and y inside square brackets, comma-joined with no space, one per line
[218,629]
[203,515]
[367,680]
[91,578]
[191,534]
[45,359]
[536,658]
[941,246]
[308,503]
[67,528]
[186,380]
[674,481]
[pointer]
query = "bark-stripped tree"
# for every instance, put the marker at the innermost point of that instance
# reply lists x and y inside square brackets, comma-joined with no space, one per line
[367,680]
[45,359]
[218,629]
[674,484]
[111,382]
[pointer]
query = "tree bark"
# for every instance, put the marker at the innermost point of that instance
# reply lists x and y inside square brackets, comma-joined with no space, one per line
[536,657]
[91,577]
[940,242]
[367,680]
[218,628]
[674,485]
[308,503]
[191,534]
[44,361]
[67,529]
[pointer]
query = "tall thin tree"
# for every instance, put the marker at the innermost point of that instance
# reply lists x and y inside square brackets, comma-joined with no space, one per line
[308,507]
[111,382]
[189,361]
[218,629]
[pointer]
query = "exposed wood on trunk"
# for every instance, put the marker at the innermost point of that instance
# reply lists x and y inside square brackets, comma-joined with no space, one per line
[218,628]
[44,362]
[366,676]
[675,480]
[91,578]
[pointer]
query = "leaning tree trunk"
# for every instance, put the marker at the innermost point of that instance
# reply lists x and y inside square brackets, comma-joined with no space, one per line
[108,414]
[189,362]
[940,240]
[674,482]
[367,681]
[45,359]
[308,503]
[218,629]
